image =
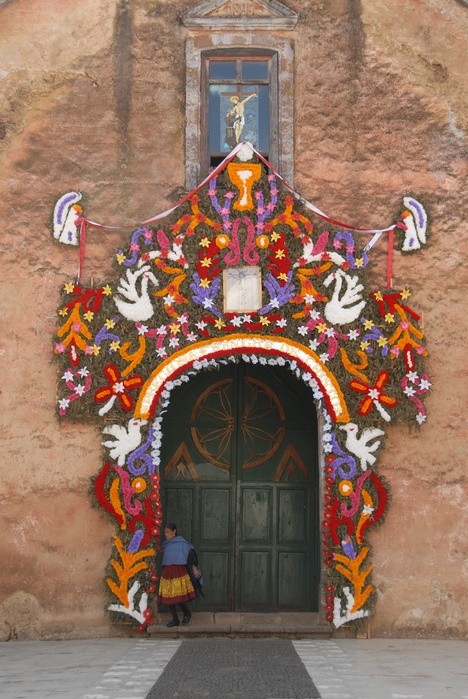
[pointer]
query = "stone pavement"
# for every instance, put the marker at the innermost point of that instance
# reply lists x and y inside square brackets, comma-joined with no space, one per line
[128,668]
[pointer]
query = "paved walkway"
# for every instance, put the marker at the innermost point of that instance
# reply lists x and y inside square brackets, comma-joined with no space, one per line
[128,668]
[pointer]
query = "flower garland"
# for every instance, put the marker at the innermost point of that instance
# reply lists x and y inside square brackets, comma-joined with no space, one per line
[123,347]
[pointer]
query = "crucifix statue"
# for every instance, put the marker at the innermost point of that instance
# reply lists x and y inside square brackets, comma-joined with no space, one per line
[235,117]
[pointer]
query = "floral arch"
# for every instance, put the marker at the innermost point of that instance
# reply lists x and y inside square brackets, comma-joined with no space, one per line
[298,355]
[123,346]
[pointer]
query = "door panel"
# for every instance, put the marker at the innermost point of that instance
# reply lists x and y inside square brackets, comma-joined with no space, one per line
[240,481]
[254,580]
[217,579]
[292,516]
[215,515]
[256,512]
[292,580]
[180,508]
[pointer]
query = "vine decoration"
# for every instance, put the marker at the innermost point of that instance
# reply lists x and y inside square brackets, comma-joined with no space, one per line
[161,319]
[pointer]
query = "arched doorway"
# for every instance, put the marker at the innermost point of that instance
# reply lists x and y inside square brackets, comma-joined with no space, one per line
[240,479]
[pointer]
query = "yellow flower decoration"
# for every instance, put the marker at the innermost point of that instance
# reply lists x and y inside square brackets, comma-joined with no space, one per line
[114,346]
[389,318]
[382,341]
[120,257]
[96,349]
[63,312]
[106,290]
[405,294]
[368,324]
[322,327]
[264,320]
[275,236]
[89,315]
[69,287]
[204,283]
[109,323]
[204,243]
[220,323]
[364,345]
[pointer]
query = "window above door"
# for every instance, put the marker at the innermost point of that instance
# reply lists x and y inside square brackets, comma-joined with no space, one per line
[240,103]
[247,68]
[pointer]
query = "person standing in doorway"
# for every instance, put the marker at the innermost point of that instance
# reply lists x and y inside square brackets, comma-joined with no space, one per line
[175,586]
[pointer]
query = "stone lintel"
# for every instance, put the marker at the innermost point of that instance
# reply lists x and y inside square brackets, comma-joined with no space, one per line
[240,15]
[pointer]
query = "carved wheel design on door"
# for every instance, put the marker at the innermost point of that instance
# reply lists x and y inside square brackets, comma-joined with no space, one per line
[241,482]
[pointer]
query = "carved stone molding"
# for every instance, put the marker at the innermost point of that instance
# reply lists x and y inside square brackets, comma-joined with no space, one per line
[221,15]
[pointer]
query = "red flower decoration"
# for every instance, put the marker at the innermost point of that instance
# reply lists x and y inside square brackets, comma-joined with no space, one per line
[374,395]
[118,387]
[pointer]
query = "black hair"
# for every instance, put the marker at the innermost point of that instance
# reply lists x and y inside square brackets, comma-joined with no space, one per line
[171,526]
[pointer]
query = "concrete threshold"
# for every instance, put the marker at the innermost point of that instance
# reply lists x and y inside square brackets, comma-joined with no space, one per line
[288,624]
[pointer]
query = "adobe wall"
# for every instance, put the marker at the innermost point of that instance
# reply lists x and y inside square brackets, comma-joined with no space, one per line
[92,99]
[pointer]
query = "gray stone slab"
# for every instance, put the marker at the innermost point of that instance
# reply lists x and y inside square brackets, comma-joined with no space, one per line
[235,669]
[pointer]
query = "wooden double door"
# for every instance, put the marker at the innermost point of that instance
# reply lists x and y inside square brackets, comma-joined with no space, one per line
[240,480]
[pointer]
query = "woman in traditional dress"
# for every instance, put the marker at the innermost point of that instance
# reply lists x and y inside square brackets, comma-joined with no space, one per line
[175,586]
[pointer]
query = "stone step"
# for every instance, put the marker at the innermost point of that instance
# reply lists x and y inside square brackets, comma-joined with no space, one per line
[291,624]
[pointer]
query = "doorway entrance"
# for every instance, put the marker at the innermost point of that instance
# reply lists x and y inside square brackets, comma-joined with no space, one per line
[240,480]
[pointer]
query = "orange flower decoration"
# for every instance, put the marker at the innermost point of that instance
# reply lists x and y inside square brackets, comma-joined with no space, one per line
[117,388]
[374,395]
[139,485]
[222,241]
[262,241]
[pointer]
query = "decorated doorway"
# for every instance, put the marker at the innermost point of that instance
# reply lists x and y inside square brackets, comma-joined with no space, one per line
[240,271]
[241,480]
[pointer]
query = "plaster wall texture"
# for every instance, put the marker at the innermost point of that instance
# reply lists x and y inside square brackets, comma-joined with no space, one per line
[92,99]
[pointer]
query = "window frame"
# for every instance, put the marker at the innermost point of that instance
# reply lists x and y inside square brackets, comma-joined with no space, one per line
[238,55]
[205,42]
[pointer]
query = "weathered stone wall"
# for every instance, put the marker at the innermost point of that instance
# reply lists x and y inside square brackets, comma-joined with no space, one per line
[92,98]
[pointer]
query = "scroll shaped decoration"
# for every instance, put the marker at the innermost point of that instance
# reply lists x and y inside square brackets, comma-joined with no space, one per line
[124,346]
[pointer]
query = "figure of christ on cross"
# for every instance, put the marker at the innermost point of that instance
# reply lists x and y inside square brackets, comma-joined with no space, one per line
[235,117]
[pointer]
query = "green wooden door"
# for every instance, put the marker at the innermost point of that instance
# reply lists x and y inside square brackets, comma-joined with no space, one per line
[240,480]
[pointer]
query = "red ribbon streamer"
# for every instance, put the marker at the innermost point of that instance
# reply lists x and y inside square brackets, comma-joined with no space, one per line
[83,223]
[391,235]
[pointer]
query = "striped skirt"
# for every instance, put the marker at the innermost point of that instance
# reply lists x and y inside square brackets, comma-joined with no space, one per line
[175,586]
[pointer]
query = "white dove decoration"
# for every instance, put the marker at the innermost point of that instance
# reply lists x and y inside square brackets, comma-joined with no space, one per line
[345,308]
[125,440]
[138,305]
[361,446]
[66,214]
[415,220]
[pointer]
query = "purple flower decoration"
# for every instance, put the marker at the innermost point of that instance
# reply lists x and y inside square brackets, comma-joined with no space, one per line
[205,297]
[140,233]
[343,459]
[350,248]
